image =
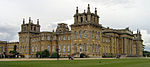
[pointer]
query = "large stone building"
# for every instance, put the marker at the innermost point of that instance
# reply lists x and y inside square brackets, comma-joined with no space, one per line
[86,36]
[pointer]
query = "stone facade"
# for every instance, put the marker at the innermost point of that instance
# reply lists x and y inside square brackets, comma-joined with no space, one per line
[86,36]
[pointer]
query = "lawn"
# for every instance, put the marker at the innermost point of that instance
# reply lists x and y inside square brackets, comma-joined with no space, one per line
[79,63]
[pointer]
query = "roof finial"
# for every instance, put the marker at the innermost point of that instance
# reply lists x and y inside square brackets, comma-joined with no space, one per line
[30,20]
[77,10]
[96,11]
[37,21]
[84,10]
[88,9]
[23,21]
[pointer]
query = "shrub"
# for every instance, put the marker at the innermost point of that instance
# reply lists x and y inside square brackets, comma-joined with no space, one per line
[82,55]
[55,55]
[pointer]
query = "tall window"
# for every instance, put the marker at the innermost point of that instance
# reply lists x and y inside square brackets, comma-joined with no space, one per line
[93,34]
[42,48]
[64,37]
[2,49]
[68,37]
[32,49]
[98,35]
[92,48]
[42,37]
[85,47]
[75,34]
[48,47]
[59,38]
[95,48]
[81,19]
[68,48]
[85,34]
[98,48]
[80,33]
[48,38]
[36,49]
[75,47]
[53,48]
[80,48]
[60,48]
[64,48]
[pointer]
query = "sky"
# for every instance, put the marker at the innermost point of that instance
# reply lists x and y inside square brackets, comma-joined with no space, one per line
[119,14]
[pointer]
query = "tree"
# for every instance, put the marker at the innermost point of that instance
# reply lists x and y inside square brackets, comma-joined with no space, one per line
[14,51]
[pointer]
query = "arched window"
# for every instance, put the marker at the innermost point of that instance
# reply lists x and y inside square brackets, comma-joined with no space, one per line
[75,33]
[80,33]
[85,34]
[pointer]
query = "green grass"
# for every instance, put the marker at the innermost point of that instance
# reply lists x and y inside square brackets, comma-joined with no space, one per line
[79,63]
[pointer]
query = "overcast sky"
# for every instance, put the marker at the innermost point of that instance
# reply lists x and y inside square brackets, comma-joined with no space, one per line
[134,14]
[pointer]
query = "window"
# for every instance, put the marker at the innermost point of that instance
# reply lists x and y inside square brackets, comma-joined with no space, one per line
[68,37]
[64,37]
[85,34]
[92,48]
[103,49]
[68,48]
[36,49]
[48,38]
[80,48]
[81,19]
[42,37]
[60,48]
[98,48]
[98,35]
[59,38]
[75,47]
[42,47]
[53,49]
[48,47]
[85,47]
[93,34]
[80,33]
[89,48]
[2,49]
[95,48]
[64,48]
[32,49]
[34,28]
[75,34]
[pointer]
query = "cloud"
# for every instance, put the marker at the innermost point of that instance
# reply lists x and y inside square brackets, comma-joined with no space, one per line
[146,39]
[4,36]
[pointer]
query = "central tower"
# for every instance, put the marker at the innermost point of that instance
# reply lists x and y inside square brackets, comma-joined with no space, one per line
[86,33]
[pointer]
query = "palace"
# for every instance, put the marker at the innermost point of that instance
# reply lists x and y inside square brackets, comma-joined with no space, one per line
[86,36]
